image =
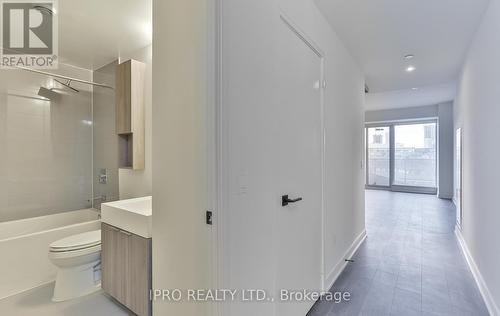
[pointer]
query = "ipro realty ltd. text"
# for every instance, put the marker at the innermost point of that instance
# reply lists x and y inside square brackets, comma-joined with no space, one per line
[246,295]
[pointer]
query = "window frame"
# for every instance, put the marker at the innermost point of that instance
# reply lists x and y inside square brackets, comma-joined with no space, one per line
[392,150]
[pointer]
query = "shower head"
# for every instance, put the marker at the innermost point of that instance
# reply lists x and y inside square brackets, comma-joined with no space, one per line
[67,84]
[48,93]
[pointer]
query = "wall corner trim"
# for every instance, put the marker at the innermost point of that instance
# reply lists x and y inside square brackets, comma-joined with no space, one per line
[447,196]
[483,288]
[334,273]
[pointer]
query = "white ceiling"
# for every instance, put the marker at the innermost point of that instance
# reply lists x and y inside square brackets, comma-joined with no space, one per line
[93,33]
[428,95]
[380,32]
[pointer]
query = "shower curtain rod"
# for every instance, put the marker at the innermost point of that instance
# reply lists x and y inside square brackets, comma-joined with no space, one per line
[63,77]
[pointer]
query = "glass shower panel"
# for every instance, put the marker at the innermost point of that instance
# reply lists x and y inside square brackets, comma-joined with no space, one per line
[46,145]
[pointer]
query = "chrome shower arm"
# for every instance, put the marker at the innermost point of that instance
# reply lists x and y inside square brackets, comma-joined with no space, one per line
[62,77]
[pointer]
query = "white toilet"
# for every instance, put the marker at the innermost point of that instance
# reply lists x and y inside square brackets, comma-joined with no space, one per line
[78,259]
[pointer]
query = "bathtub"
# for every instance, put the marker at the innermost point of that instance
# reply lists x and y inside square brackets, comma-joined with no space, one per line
[24,246]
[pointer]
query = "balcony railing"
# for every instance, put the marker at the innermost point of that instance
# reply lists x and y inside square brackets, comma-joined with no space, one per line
[412,167]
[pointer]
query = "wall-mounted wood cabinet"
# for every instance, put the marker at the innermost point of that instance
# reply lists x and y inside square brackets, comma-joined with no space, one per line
[129,98]
[126,268]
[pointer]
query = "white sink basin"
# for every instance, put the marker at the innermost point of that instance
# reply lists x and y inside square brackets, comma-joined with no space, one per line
[133,215]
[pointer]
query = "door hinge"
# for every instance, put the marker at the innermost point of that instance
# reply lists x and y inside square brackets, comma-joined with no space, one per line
[208,217]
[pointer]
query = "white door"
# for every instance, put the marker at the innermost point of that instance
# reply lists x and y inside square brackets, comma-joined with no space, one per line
[458,175]
[299,148]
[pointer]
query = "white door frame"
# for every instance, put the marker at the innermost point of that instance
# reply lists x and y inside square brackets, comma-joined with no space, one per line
[458,196]
[215,38]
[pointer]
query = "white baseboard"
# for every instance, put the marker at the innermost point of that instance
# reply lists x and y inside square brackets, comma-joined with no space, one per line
[332,276]
[483,288]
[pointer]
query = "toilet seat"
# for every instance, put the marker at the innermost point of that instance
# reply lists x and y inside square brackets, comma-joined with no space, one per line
[77,242]
[71,254]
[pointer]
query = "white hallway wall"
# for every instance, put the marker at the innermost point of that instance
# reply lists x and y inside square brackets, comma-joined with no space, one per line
[476,112]
[445,150]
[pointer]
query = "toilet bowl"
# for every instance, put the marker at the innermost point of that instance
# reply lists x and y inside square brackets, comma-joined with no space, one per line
[78,259]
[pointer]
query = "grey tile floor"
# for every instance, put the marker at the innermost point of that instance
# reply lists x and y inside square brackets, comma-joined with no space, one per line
[37,302]
[410,263]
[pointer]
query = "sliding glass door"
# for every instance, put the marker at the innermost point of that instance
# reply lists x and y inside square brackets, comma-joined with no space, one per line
[402,156]
[378,156]
[415,155]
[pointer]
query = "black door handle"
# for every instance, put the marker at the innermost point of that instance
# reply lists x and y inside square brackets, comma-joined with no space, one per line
[285,200]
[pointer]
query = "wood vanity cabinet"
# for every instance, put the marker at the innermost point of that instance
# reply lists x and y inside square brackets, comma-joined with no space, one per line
[126,268]
[129,112]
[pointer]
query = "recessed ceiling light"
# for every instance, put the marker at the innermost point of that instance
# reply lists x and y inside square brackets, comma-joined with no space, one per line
[411,68]
[409,56]
[414,89]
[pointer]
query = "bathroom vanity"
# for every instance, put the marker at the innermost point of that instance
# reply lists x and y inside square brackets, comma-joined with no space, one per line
[126,252]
